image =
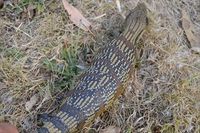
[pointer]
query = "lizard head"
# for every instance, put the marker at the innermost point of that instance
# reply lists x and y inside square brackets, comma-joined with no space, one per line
[136,21]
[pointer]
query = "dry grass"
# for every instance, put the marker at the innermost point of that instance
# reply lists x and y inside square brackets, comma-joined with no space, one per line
[39,57]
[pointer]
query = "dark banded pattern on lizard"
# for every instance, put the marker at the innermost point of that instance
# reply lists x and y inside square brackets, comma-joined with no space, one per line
[101,83]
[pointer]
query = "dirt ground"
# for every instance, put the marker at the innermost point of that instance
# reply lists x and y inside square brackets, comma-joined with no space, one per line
[42,52]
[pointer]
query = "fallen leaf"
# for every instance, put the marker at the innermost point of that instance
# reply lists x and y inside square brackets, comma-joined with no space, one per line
[76,17]
[119,5]
[47,96]
[189,29]
[111,129]
[1,4]
[33,100]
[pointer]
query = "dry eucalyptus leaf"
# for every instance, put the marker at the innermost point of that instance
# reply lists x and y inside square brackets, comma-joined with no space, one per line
[29,105]
[47,96]
[111,129]
[189,29]
[119,5]
[76,17]
[1,4]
